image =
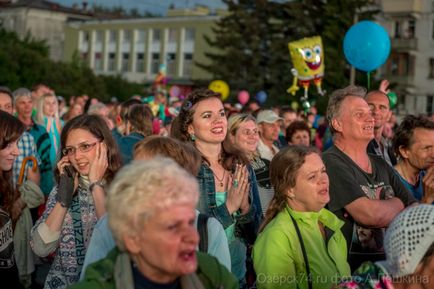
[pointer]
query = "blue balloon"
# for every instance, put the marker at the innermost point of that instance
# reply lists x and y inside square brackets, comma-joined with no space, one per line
[261,96]
[366,46]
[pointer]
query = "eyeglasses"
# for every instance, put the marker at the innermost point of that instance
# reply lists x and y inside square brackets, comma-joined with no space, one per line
[249,132]
[84,148]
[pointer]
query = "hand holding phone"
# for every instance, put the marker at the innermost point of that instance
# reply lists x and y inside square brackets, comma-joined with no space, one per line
[65,189]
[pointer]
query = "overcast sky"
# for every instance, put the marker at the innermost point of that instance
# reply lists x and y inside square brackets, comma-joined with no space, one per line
[154,6]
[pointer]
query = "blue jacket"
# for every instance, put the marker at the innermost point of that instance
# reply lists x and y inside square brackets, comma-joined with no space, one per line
[43,145]
[126,146]
[247,225]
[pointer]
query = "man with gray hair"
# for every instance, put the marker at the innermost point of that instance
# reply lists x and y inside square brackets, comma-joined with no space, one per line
[23,104]
[365,192]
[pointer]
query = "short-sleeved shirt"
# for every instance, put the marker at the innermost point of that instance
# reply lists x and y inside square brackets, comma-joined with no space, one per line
[8,266]
[349,182]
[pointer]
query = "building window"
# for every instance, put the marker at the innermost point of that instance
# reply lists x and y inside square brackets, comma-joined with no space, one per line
[155,64]
[98,36]
[397,29]
[98,61]
[85,36]
[432,36]
[127,36]
[430,104]
[171,63]
[140,37]
[112,61]
[83,56]
[411,31]
[188,64]
[156,34]
[140,63]
[125,61]
[431,68]
[189,34]
[112,36]
[172,35]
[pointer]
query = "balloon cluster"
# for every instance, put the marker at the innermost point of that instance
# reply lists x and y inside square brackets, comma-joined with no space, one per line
[222,87]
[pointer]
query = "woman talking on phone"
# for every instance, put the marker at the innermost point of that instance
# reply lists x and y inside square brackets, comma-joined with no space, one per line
[89,161]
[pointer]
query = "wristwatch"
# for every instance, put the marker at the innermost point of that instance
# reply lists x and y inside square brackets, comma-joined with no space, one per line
[99,183]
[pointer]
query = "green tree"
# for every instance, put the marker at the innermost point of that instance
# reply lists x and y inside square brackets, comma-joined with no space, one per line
[253,43]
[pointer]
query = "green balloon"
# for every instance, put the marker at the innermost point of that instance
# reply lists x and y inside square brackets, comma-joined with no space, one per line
[306,105]
[393,99]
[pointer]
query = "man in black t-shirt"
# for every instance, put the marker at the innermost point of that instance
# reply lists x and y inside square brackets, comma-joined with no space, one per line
[365,192]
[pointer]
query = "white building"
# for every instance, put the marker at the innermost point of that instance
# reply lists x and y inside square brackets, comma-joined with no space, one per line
[43,20]
[410,24]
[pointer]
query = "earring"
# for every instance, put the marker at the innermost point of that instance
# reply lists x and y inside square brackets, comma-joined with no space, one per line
[192,137]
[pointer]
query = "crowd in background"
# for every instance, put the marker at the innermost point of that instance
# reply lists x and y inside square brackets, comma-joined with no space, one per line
[197,193]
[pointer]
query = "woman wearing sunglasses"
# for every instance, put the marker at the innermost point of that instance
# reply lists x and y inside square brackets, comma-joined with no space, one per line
[89,161]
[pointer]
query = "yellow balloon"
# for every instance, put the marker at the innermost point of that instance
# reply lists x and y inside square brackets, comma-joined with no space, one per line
[221,87]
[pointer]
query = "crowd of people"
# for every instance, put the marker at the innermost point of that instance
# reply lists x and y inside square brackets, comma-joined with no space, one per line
[197,193]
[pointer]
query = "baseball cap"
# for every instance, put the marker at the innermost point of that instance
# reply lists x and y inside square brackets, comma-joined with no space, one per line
[267,116]
[407,240]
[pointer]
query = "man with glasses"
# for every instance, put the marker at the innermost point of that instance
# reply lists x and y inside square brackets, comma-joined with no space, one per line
[365,192]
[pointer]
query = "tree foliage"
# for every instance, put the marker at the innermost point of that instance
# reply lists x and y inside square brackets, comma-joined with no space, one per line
[252,41]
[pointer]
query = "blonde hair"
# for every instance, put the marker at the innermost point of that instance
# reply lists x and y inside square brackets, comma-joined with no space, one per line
[40,108]
[141,188]
[236,120]
[284,168]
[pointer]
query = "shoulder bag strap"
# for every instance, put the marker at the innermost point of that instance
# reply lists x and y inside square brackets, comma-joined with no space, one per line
[303,249]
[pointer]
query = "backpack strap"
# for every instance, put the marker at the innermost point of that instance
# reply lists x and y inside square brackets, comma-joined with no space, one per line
[202,228]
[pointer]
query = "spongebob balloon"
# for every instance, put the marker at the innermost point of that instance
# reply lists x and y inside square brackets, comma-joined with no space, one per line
[307,56]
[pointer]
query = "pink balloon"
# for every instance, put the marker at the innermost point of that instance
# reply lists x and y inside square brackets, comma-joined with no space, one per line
[243,97]
[175,91]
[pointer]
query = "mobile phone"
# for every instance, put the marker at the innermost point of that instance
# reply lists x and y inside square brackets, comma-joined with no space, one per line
[69,170]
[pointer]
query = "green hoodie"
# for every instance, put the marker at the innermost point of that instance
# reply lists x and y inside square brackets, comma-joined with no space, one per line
[114,271]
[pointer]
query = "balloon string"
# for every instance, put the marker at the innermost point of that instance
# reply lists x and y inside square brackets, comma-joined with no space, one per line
[369,80]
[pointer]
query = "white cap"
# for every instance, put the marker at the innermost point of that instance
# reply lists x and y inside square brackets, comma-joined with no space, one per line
[267,116]
[407,240]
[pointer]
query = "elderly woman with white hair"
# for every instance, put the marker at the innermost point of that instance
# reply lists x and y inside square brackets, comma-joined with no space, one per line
[151,208]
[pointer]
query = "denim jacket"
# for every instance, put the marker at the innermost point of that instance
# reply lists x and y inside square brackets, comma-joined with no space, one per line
[247,225]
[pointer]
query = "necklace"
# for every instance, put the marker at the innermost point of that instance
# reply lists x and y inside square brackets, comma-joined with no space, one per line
[219,180]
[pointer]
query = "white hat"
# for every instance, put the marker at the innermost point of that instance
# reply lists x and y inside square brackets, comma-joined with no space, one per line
[267,116]
[407,240]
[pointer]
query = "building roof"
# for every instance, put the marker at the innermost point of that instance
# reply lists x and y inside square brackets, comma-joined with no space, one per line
[43,5]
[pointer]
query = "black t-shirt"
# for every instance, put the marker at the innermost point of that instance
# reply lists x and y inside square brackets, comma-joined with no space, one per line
[349,182]
[142,282]
[8,267]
